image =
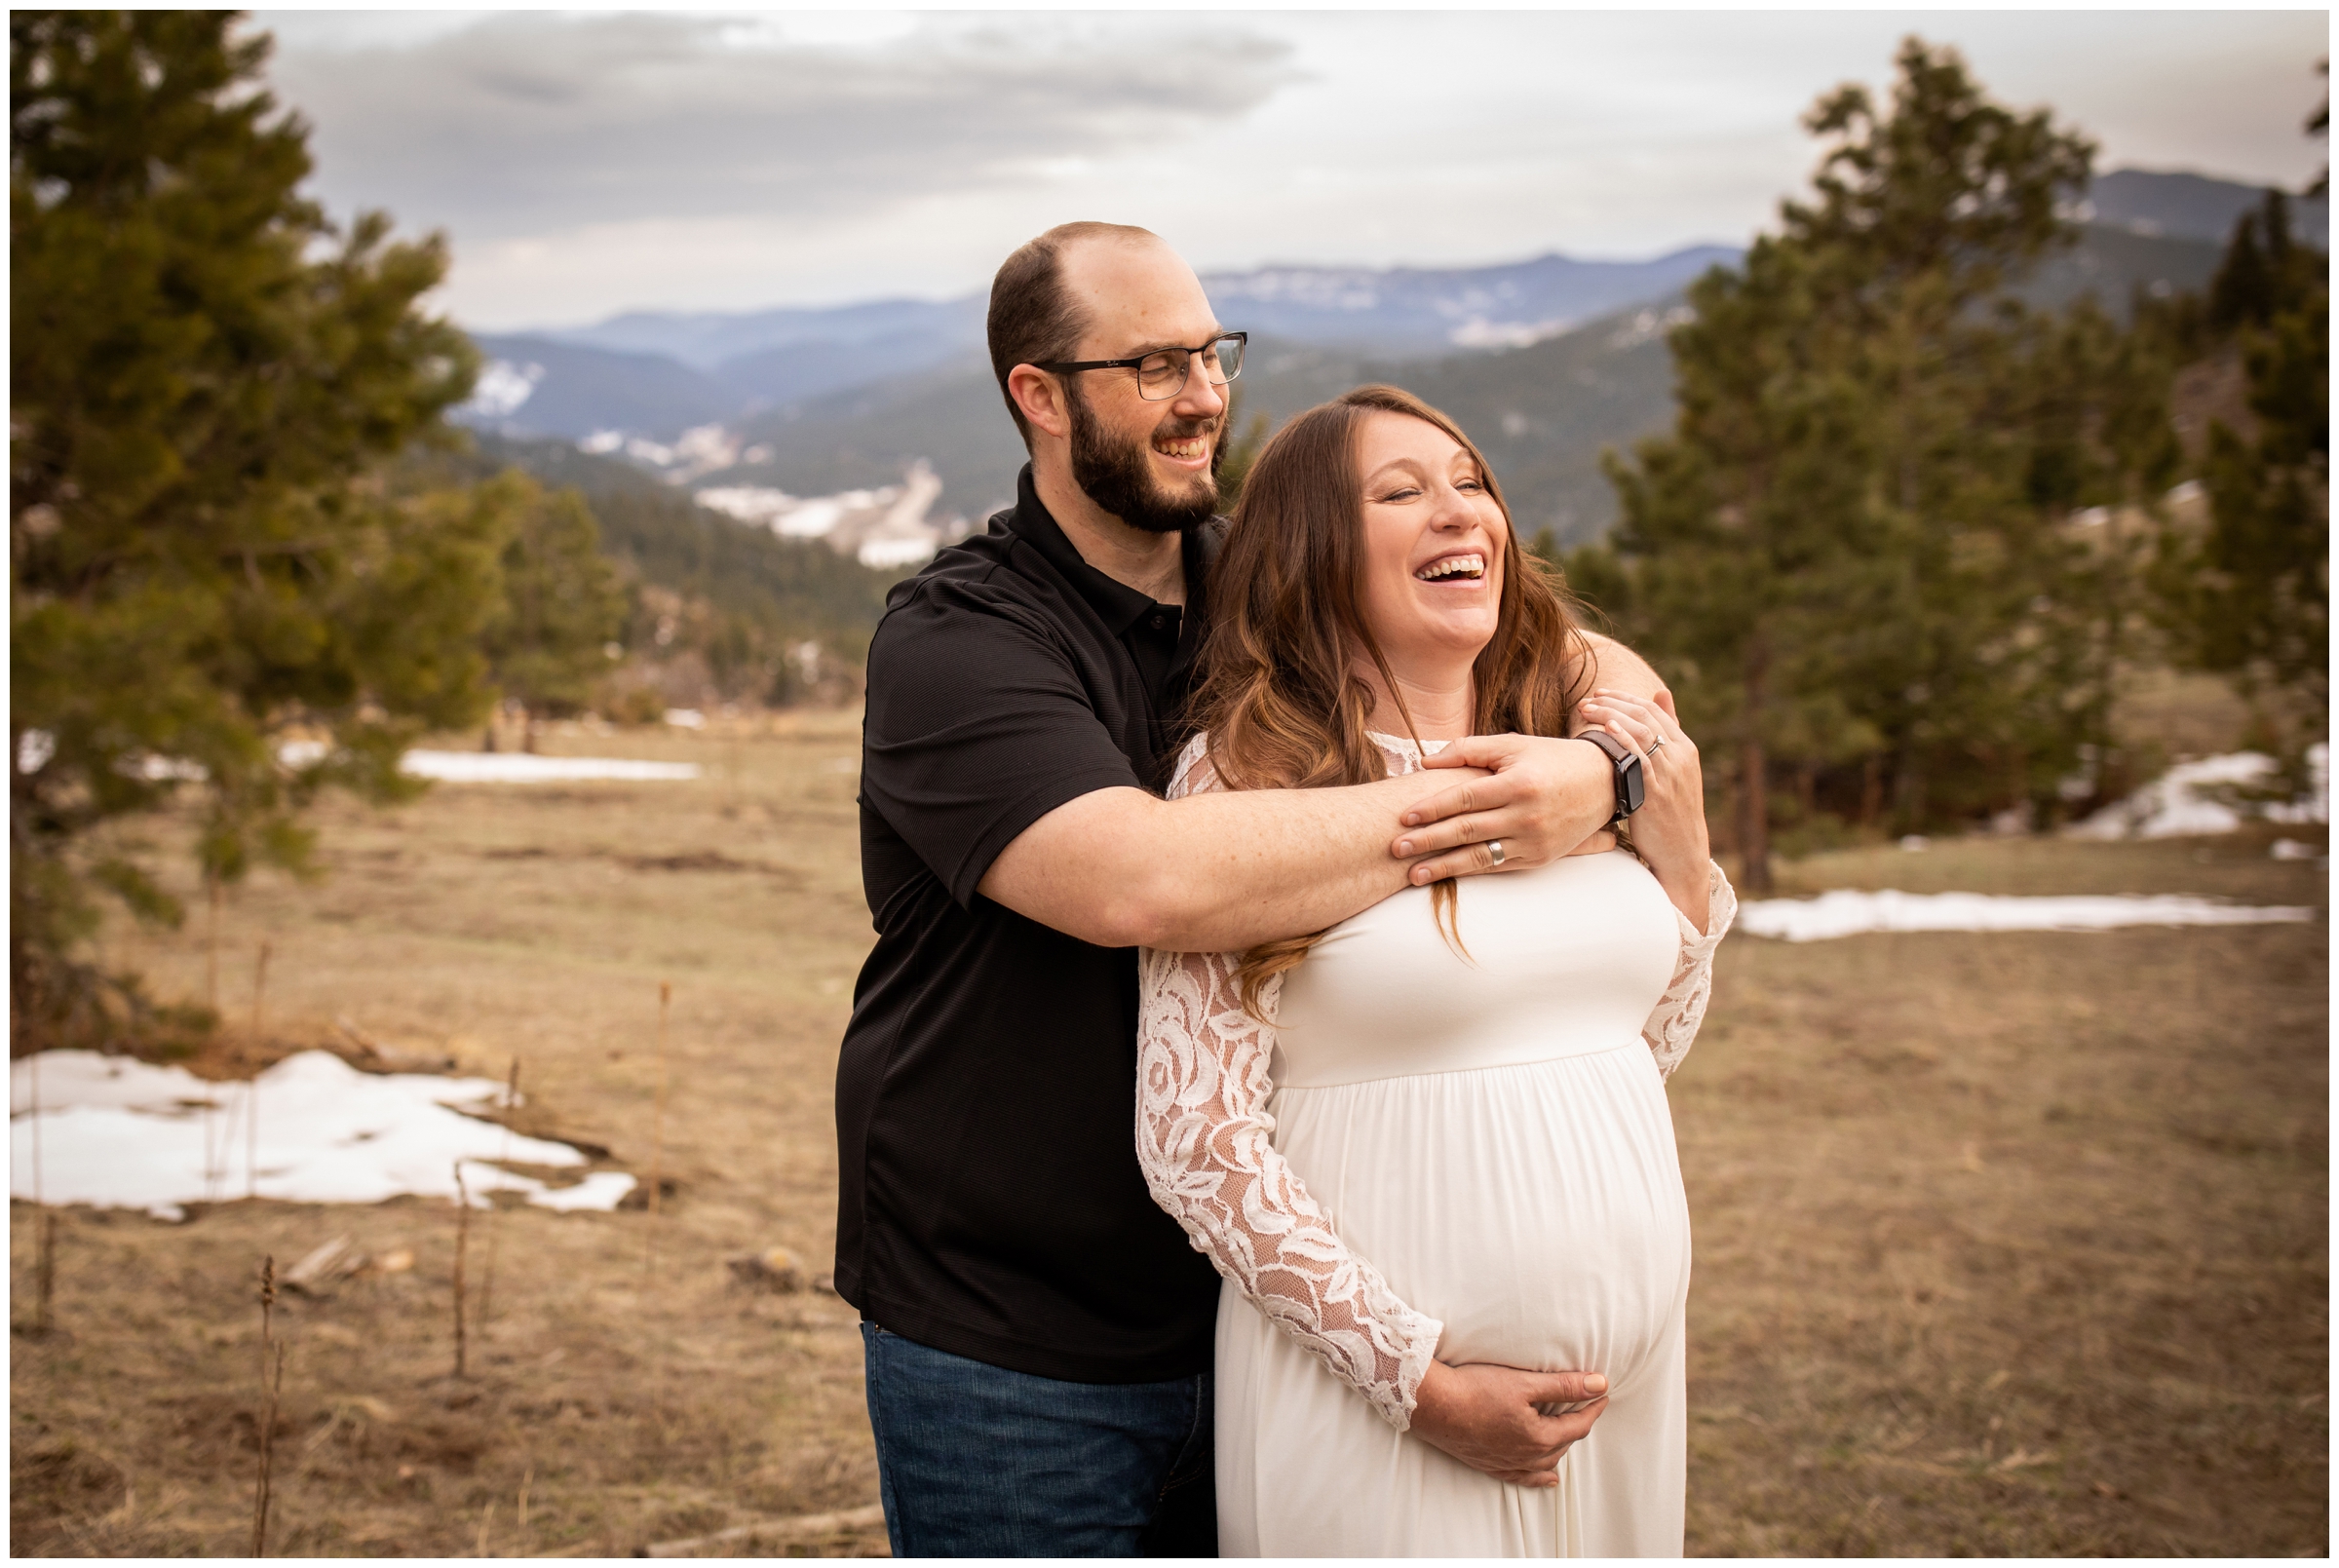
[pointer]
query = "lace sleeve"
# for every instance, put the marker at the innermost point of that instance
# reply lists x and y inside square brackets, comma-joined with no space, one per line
[1674,1025]
[1205,1140]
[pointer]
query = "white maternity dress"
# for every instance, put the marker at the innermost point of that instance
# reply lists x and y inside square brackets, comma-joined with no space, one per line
[1424,1154]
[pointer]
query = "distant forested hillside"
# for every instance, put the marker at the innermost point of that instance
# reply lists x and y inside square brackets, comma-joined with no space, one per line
[1543,412]
[795,588]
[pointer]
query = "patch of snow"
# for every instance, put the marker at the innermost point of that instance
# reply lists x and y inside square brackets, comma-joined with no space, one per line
[760,504]
[454,767]
[2315,806]
[1321,287]
[503,386]
[2291,849]
[1848,913]
[2195,799]
[1481,333]
[706,447]
[119,1134]
[885,527]
[1913,842]
[884,554]
[687,718]
[506,767]
[598,1193]
[698,451]
[815,517]
[1649,323]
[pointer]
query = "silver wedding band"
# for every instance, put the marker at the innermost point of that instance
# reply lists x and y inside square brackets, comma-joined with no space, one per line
[1494,851]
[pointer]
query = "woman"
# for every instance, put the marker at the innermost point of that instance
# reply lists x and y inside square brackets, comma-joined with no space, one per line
[1436,1134]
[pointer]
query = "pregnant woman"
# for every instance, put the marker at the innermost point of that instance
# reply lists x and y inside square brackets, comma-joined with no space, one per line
[1435,1134]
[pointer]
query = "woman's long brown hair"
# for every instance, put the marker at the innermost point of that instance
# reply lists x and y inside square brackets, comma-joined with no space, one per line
[1279,694]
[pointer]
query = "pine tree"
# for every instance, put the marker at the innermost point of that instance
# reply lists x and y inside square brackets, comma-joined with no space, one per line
[1922,219]
[2251,597]
[205,374]
[1854,551]
[563,602]
[1242,449]
[1749,534]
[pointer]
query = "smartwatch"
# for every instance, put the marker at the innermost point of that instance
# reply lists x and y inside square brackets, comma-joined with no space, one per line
[1631,787]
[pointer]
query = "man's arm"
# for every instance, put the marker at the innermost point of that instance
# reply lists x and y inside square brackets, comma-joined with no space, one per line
[1617,668]
[1217,872]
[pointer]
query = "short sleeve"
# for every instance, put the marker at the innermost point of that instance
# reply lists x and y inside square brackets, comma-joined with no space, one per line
[979,723]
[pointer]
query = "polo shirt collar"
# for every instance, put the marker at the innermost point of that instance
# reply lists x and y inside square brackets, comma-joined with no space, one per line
[1117,605]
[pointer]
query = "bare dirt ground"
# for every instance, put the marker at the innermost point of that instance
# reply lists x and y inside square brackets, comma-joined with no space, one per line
[2008,1243]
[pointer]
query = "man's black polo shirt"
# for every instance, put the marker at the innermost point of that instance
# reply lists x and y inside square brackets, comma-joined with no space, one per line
[989,1198]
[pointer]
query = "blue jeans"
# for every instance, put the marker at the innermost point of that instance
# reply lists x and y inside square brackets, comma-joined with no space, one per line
[975,1461]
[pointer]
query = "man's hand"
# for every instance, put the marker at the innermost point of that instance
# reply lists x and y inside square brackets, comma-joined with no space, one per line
[1546,799]
[1492,1419]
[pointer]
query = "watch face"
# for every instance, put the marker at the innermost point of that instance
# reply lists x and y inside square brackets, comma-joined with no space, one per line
[1631,787]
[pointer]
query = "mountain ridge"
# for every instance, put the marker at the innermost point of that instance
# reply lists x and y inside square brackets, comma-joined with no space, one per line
[2173,204]
[861,393]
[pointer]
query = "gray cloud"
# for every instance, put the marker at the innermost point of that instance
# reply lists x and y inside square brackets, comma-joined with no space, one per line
[525,124]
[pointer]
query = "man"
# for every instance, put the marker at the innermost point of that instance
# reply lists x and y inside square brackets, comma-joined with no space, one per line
[1038,1333]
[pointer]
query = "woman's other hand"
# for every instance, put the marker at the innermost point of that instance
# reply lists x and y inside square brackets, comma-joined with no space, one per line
[1669,828]
[1491,1418]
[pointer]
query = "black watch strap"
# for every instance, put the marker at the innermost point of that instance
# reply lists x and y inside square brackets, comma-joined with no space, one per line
[1631,789]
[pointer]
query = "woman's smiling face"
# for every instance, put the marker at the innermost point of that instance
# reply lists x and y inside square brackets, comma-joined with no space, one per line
[1434,540]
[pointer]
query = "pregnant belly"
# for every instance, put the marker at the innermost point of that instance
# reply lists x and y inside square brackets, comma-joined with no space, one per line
[1536,1210]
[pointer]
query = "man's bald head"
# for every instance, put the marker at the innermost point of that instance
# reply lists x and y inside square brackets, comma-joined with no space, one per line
[1035,318]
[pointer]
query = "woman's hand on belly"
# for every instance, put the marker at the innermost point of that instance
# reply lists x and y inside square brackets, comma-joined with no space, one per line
[1491,1417]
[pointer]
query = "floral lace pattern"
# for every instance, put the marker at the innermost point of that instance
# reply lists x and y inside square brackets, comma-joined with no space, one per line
[1206,1143]
[1674,1023]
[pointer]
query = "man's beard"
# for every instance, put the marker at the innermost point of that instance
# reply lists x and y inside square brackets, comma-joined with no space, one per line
[1118,479]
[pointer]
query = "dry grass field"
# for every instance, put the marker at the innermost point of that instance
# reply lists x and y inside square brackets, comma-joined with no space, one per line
[2006,1243]
[2016,1243]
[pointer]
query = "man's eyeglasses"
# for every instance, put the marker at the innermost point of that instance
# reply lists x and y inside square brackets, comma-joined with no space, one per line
[1163,373]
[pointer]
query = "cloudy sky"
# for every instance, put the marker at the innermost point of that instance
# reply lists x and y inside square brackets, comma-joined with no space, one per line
[588,162]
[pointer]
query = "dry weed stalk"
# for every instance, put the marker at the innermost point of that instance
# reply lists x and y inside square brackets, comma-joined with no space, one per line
[210,889]
[251,1097]
[495,1217]
[44,1266]
[45,1273]
[486,1517]
[272,1388]
[32,1109]
[462,1244]
[525,1476]
[649,1250]
[212,1134]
